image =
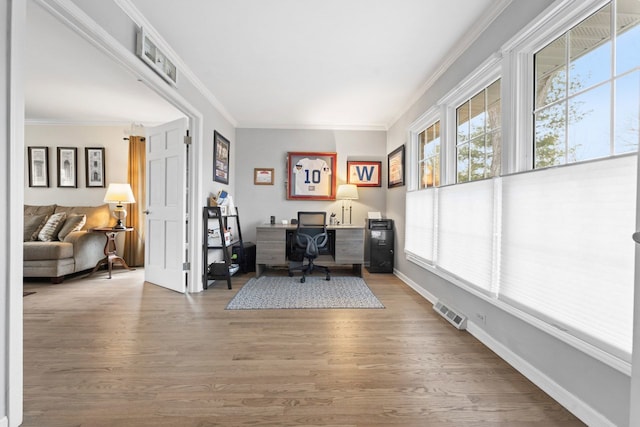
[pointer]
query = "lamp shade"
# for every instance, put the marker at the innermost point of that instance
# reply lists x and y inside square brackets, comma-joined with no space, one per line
[347,192]
[119,194]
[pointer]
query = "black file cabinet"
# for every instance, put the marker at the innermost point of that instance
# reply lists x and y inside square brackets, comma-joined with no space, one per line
[246,256]
[381,243]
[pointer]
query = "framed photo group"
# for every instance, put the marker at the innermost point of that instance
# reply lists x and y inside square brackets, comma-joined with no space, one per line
[312,175]
[66,167]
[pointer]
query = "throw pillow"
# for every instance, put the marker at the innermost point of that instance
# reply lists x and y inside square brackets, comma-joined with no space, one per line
[32,226]
[72,223]
[51,228]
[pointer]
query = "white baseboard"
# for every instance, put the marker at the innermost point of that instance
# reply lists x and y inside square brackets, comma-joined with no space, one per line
[572,403]
[576,406]
[413,285]
[4,422]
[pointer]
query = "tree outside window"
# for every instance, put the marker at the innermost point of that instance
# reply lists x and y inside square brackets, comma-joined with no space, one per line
[479,135]
[429,156]
[587,86]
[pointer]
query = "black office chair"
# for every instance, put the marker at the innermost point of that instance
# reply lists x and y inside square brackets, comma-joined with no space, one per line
[311,236]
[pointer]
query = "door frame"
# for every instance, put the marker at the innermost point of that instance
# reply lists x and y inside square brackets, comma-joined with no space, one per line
[73,17]
[14,174]
[76,19]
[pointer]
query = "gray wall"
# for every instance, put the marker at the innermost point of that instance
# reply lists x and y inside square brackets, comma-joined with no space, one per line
[597,385]
[267,148]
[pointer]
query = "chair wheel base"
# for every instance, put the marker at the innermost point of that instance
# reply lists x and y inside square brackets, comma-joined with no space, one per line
[303,280]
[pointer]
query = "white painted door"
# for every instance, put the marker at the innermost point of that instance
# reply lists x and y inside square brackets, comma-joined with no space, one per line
[166,225]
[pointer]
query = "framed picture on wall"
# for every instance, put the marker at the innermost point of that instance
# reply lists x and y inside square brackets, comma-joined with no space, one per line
[263,176]
[220,158]
[94,168]
[38,158]
[311,176]
[364,174]
[395,167]
[67,167]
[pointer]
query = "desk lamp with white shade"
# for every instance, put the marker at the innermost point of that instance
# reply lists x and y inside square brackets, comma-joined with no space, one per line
[347,192]
[119,194]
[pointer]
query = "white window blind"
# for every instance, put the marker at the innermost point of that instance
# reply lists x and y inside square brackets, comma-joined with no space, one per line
[420,233]
[555,243]
[466,220]
[567,255]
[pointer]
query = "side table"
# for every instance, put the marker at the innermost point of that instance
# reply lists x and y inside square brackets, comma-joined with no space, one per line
[110,248]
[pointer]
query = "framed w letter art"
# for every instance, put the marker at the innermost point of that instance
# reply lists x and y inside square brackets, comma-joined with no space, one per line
[311,176]
[364,174]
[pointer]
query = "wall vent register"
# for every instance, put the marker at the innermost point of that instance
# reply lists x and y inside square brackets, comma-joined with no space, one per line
[456,319]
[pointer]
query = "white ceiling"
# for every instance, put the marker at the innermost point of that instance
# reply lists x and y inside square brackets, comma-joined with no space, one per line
[276,63]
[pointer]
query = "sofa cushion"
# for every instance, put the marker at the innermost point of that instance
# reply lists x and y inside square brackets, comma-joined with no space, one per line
[97,216]
[32,226]
[35,251]
[50,230]
[39,210]
[72,223]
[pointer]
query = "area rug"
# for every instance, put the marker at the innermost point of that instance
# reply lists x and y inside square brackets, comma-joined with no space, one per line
[287,292]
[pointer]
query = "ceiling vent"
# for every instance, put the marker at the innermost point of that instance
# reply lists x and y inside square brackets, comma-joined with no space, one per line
[456,319]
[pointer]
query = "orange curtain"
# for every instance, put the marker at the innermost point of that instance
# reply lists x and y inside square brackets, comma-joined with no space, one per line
[134,241]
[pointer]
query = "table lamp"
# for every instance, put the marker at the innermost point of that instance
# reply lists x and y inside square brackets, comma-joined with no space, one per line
[347,192]
[119,194]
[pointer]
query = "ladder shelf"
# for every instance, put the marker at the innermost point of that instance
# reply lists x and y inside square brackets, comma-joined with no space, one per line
[225,268]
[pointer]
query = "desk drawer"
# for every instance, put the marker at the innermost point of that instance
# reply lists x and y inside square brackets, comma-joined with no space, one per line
[270,252]
[270,246]
[349,248]
[270,235]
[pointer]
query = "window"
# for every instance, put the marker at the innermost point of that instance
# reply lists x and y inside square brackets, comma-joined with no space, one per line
[429,156]
[478,140]
[516,236]
[587,84]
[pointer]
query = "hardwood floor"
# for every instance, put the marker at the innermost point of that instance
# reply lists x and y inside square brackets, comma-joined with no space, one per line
[100,352]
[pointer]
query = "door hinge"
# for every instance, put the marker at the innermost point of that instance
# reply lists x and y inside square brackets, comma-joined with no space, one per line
[186,266]
[187,140]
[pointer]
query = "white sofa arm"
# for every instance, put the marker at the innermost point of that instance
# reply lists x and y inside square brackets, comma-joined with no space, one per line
[88,248]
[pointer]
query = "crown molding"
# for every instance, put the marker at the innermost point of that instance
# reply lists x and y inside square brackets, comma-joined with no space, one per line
[327,126]
[470,37]
[93,123]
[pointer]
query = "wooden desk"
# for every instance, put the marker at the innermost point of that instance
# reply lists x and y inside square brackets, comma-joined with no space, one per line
[110,248]
[271,246]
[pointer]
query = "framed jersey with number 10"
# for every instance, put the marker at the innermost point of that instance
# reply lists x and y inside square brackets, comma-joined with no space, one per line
[311,176]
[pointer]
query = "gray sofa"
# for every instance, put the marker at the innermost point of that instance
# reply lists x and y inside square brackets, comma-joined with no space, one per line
[77,251]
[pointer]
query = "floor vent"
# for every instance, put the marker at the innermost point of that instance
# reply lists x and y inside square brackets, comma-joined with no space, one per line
[456,319]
